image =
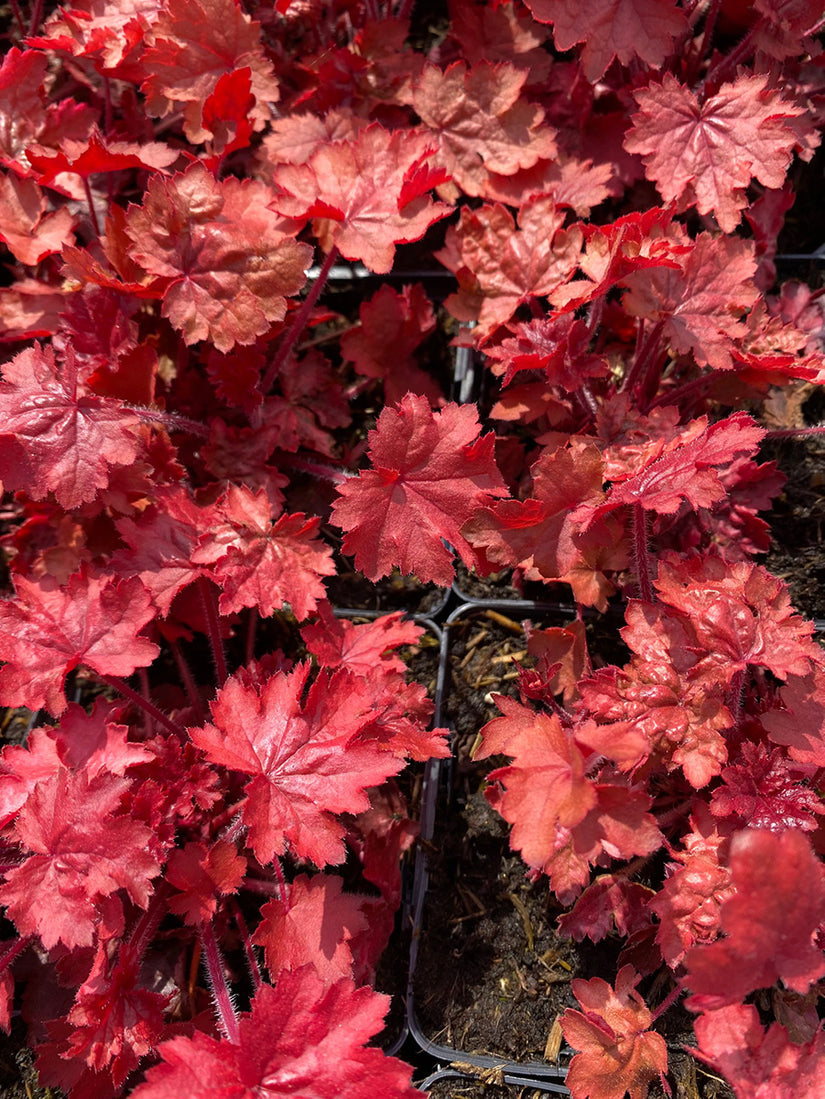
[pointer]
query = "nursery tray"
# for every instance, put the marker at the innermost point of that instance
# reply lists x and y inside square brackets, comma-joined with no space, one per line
[392,974]
[464,850]
[487,1084]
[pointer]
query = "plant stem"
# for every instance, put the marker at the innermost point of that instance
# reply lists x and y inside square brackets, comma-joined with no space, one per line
[90,201]
[249,950]
[251,631]
[171,420]
[234,829]
[258,885]
[299,321]
[668,1002]
[37,15]
[107,115]
[213,625]
[222,998]
[676,395]
[587,400]
[594,314]
[318,469]
[16,948]
[148,707]
[728,62]
[736,697]
[710,26]
[278,871]
[640,554]
[146,692]
[635,376]
[148,923]
[190,686]
[18,17]
[795,432]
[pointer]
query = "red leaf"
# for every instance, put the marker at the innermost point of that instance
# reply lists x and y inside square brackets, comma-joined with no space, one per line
[431,471]
[506,266]
[699,305]
[788,22]
[611,901]
[232,262]
[202,875]
[115,1021]
[30,310]
[301,1037]
[619,1055]
[262,561]
[339,643]
[294,138]
[21,768]
[111,32]
[612,252]
[800,725]
[392,327]
[22,101]
[29,231]
[313,926]
[49,630]
[706,154]
[361,182]
[500,32]
[698,883]
[563,822]
[55,438]
[539,534]
[96,742]
[682,470]
[559,347]
[161,542]
[652,707]
[82,851]
[571,181]
[305,767]
[546,783]
[97,154]
[194,44]
[759,1063]
[770,922]
[625,29]
[227,114]
[740,614]
[481,121]
[763,789]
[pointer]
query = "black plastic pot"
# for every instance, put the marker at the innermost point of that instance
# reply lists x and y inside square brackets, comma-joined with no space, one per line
[438,780]
[396,1033]
[450,1084]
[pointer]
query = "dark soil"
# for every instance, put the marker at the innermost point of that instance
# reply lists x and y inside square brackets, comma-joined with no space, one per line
[18,1076]
[508,585]
[493,977]
[797,521]
[351,590]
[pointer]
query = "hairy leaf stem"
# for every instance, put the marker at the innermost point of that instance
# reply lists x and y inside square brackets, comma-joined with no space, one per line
[299,321]
[221,996]
[213,625]
[144,704]
[640,552]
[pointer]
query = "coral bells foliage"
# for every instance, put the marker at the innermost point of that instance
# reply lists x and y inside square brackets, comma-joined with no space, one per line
[196,434]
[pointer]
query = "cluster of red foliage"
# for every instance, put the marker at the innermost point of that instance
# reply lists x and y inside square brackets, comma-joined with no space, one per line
[170,168]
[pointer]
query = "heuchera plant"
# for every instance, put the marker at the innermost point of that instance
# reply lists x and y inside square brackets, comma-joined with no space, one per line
[214,766]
